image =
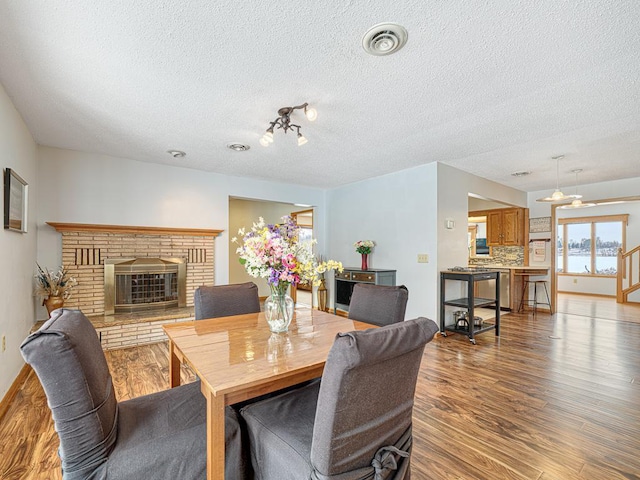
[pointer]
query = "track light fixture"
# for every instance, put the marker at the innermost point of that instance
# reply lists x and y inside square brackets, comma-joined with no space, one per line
[284,122]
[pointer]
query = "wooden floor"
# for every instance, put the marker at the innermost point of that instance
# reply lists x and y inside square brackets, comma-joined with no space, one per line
[598,307]
[552,398]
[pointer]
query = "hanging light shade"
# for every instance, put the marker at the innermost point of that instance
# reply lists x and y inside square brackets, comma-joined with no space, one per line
[557,195]
[577,203]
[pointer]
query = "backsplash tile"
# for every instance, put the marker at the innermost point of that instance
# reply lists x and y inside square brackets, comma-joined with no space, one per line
[507,256]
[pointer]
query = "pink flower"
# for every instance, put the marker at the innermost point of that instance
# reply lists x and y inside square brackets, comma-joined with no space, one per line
[289,261]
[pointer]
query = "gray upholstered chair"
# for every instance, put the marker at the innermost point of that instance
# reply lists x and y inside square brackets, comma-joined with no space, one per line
[354,424]
[159,436]
[378,304]
[225,300]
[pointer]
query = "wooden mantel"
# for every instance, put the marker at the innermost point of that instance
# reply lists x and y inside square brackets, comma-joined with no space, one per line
[89,227]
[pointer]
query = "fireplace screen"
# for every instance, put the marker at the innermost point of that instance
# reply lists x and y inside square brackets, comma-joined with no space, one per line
[146,288]
[144,283]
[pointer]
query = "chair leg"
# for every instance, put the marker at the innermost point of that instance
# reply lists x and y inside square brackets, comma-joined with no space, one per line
[535,298]
[548,299]
[524,288]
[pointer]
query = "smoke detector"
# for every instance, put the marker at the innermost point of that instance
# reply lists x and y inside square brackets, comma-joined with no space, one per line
[238,147]
[176,153]
[384,39]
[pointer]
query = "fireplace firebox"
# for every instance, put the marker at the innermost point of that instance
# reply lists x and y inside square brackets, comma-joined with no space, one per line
[132,284]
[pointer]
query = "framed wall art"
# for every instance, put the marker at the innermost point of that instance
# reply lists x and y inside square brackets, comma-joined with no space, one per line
[15,202]
[540,224]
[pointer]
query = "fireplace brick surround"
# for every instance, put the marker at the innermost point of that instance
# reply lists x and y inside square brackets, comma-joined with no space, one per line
[86,246]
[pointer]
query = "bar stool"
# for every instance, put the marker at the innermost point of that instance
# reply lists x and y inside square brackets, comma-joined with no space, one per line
[525,286]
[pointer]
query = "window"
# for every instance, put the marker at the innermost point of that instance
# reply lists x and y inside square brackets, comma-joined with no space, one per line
[589,245]
[477,236]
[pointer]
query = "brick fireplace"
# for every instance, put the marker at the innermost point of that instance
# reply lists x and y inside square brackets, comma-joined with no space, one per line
[86,247]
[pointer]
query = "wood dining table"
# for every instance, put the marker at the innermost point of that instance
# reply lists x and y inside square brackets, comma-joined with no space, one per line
[238,358]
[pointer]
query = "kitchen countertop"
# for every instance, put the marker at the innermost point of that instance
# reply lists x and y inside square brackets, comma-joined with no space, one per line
[512,267]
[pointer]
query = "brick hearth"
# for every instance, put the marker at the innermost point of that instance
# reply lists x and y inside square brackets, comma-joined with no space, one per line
[85,247]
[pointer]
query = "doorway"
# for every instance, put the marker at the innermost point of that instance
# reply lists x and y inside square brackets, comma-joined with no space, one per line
[243,212]
[577,293]
[303,294]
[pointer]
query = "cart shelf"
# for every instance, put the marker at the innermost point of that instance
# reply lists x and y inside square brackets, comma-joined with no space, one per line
[477,302]
[470,302]
[485,328]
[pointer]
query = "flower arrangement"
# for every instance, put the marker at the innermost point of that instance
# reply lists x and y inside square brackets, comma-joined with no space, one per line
[54,284]
[364,246]
[320,261]
[275,253]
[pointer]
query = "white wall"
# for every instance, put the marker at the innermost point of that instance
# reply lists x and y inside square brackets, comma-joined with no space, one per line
[398,212]
[405,213]
[479,204]
[18,249]
[594,191]
[242,214]
[81,187]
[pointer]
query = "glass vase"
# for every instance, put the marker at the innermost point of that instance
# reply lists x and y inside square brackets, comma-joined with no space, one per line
[278,310]
[278,348]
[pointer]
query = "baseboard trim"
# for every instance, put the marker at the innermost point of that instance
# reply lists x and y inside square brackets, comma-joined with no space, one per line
[587,294]
[15,387]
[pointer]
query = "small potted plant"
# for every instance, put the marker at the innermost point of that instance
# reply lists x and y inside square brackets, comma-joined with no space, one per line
[54,287]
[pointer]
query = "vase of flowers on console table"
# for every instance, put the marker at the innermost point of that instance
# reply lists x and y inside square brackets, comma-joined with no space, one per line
[322,286]
[364,248]
[274,252]
[54,287]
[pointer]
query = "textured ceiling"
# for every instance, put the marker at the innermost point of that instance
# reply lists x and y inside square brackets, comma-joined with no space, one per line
[488,87]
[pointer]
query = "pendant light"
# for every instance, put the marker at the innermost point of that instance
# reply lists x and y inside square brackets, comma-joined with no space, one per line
[577,203]
[557,195]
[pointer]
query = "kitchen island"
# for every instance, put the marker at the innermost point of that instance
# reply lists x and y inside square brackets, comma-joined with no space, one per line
[516,275]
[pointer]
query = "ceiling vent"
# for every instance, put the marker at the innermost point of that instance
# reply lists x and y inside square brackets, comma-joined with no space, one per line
[384,39]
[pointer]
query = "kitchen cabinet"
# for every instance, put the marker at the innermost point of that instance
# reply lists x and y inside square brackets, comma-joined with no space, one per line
[506,226]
